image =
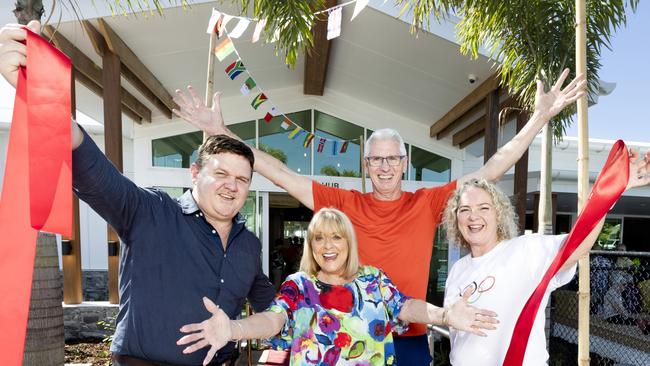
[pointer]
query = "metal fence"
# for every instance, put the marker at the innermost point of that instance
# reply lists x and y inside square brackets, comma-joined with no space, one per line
[619,324]
[619,331]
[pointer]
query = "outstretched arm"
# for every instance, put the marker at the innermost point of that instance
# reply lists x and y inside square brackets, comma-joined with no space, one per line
[13,55]
[547,105]
[219,329]
[639,176]
[210,120]
[460,315]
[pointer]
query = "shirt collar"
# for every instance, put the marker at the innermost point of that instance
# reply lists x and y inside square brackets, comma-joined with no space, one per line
[189,207]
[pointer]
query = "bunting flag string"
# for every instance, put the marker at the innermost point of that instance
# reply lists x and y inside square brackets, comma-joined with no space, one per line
[236,67]
[219,20]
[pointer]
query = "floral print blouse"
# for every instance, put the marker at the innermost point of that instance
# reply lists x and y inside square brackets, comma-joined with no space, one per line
[331,325]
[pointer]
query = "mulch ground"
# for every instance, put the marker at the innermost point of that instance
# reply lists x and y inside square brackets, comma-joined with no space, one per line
[92,352]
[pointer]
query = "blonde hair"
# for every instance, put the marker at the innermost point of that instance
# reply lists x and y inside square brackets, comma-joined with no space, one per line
[330,219]
[506,216]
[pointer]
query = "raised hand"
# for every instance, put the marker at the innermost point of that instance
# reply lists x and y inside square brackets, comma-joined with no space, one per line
[469,318]
[553,101]
[12,52]
[214,332]
[639,169]
[194,111]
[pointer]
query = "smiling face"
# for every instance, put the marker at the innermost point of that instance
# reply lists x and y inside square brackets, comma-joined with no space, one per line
[477,220]
[386,179]
[220,186]
[330,250]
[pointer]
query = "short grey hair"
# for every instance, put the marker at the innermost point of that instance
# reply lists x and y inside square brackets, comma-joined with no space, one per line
[506,216]
[385,134]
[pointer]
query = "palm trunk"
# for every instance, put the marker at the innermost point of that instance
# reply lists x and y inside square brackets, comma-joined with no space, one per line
[44,342]
[545,218]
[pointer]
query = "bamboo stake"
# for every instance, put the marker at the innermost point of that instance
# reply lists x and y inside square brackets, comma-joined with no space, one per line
[362,144]
[209,83]
[545,214]
[583,184]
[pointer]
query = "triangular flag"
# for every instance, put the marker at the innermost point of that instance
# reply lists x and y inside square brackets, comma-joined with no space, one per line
[234,69]
[297,131]
[212,24]
[358,7]
[223,49]
[258,30]
[240,28]
[321,144]
[344,147]
[259,99]
[334,147]
[286,123]
[226,18]
[274,111]
[308,140]
[248,85]
[268,117]
[334,23]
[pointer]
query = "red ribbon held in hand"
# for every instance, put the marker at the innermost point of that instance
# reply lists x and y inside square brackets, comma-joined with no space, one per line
[609,186]
[37,188]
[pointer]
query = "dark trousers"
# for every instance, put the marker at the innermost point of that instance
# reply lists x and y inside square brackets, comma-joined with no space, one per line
[412,351]
[121,360]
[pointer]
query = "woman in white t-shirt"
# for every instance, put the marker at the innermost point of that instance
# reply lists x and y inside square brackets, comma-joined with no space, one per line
[503,269]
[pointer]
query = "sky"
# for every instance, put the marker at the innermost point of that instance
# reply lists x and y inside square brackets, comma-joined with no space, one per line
[624,113]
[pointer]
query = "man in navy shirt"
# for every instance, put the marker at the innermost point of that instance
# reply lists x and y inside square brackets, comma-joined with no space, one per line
[173,251]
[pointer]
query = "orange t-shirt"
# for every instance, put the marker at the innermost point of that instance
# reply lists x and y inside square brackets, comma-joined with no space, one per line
[396,236]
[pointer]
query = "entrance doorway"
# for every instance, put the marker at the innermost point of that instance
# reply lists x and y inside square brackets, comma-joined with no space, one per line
[288,222]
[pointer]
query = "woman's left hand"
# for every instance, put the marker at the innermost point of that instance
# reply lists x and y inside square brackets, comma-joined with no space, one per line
[214,332]
[468,318]
[639,169]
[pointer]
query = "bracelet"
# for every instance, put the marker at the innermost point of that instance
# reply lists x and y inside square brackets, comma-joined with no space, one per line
[241,331]
[445,320]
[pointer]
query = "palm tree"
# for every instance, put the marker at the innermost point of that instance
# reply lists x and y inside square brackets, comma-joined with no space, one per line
[44,342]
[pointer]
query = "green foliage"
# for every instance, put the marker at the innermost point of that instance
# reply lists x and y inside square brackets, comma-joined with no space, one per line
[608,234]
[276,153]
[332,171]
[530,39]
[108,327]
[288,21]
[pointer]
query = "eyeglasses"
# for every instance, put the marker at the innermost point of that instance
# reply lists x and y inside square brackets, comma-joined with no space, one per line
[392,160]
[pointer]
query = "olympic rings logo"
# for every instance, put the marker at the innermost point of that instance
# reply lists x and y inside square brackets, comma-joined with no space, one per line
[477,289]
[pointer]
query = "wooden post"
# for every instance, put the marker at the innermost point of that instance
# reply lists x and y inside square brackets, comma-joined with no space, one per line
[491,125]
[583,184]
[521,178]
[71,256]
[209,79]
[362,145]
[113,150]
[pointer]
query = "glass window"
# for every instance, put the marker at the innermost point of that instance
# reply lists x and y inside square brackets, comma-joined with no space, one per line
[181,151]
[610,234]
[430,167]
[245,131]
[173,192]
[248,211]
[275,141]
[335,131]
[176,151]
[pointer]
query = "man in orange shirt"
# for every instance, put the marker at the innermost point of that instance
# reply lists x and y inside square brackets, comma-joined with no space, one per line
[395,229]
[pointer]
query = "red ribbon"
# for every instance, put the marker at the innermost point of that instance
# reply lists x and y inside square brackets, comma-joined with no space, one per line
[609,186]
[36,193]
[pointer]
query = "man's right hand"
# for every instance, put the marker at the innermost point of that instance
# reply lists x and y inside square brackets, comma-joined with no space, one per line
[194,111]
[13,52]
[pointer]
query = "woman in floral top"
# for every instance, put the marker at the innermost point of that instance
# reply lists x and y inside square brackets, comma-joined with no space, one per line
[334,311]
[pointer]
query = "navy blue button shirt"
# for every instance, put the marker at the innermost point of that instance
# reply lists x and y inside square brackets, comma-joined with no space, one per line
[170,258]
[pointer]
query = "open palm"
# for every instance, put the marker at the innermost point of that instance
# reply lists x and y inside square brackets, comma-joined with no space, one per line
[214,332]
[552,102]
[193,110]
[639,169]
